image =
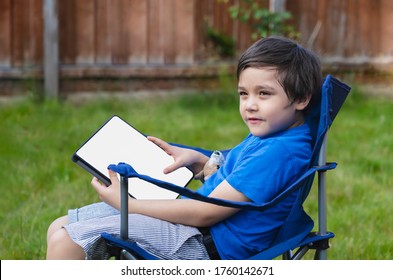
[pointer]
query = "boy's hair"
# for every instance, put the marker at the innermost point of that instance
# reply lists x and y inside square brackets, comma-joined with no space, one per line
[298,69]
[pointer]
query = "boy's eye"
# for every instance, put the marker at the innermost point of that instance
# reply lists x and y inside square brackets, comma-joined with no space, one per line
[242,93]
[264,93]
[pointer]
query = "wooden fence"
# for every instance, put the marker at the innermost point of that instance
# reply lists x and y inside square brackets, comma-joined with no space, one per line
[167,38]
[351,31]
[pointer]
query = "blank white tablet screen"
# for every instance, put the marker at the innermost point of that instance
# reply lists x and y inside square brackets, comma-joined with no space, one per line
[116,142]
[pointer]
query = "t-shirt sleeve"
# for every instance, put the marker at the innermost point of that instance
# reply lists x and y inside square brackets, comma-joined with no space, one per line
[262,172]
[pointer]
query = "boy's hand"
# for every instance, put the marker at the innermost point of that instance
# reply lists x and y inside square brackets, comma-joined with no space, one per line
[110,194]
[183,157]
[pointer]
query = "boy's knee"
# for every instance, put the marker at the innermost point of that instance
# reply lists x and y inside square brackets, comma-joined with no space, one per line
[56,225]
[57,238]
[55,243]
[61,246]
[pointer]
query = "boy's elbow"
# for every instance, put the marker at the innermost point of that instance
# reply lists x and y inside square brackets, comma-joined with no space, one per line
[206,215]
[205,222]
[209,218]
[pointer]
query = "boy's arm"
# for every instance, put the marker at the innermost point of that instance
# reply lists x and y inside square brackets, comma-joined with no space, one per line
[188,211]
[183,211]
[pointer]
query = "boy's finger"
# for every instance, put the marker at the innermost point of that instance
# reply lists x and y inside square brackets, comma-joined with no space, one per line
[160,143]
[170,168]
[96,184]
[113,176]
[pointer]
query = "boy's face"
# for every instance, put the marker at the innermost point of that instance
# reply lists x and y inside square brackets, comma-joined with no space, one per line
[264,105]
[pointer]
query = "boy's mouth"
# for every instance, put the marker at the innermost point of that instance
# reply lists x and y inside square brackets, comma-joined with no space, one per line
[253,120]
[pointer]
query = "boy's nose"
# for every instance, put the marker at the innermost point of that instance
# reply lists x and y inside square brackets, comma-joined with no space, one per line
[251,104]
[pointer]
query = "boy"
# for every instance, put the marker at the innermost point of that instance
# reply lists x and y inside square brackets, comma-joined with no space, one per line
[276,80]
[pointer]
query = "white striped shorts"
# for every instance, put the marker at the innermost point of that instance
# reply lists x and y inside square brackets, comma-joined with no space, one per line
[160,238]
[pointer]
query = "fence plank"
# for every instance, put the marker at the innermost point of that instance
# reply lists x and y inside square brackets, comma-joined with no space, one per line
[103,32]
[386,47]
[185,31]
[367,33]
[18,38]
[138,32]
[338,20]
[85,31]
[35,33]
[121,53]
[200,17]
[351,38]
[169,19]
[67,31]
[116,30]
[155,38]
[5,33]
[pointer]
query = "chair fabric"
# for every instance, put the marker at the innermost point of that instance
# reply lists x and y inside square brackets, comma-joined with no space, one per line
[296,230]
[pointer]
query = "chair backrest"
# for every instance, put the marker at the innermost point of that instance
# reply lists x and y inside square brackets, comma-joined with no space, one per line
[319,118]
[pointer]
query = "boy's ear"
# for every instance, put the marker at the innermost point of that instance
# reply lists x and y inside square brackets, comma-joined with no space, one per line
[302,104]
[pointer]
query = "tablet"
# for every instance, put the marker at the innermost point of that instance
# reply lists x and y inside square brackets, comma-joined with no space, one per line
[118,141]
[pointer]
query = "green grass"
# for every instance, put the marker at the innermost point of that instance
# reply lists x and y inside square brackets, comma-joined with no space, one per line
[39,182]
[359,192]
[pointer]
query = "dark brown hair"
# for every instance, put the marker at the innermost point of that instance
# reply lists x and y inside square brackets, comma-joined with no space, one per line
[298,69]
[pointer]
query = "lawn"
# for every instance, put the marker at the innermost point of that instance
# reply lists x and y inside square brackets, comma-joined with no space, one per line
[39,181]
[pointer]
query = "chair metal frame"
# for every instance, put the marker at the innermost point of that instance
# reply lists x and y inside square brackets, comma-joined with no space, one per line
[322,235]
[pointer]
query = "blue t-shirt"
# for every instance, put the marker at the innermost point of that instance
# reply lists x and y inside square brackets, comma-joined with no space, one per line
[260,168]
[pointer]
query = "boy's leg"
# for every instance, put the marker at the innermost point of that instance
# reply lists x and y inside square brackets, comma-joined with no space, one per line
[59,244]
[61,247]
[56,225]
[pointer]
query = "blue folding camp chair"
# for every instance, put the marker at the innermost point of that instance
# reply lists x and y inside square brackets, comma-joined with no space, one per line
[295,238]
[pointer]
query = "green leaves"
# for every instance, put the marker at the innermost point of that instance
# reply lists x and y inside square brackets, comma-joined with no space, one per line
[264,22]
